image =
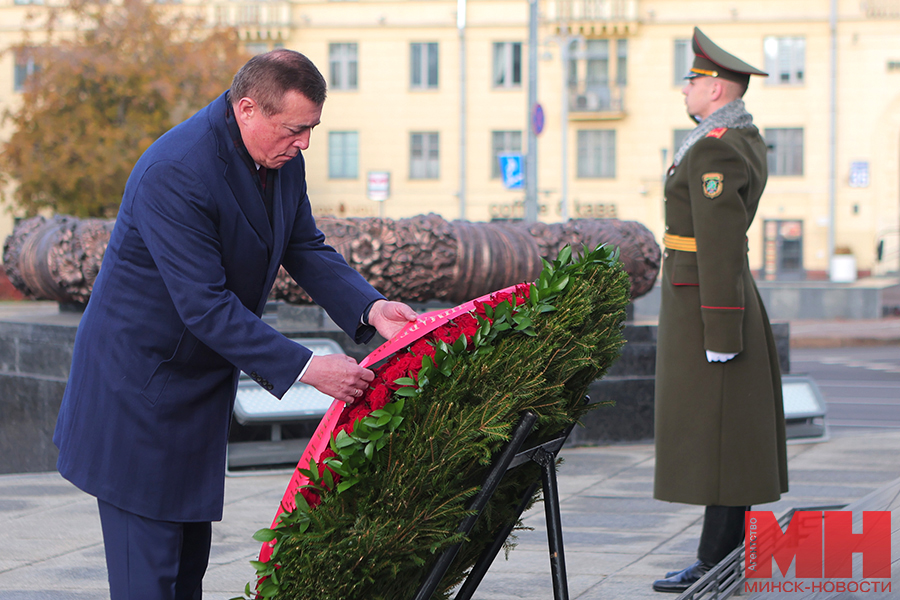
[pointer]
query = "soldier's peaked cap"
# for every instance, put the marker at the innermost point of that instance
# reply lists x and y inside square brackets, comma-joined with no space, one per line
[712,61]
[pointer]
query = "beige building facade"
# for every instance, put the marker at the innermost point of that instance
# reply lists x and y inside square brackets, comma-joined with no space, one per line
[424,96]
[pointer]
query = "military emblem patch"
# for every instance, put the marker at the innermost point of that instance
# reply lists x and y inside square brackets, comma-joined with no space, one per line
[712,184]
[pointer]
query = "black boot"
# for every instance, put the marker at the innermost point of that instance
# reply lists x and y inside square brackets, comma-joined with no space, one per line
[678,581]
[723,531]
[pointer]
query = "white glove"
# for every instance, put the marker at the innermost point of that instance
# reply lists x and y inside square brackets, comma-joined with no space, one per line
[719,356]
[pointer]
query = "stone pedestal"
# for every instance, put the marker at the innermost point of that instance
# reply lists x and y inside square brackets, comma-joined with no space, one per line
[36,341]
[626,393]
[35,355]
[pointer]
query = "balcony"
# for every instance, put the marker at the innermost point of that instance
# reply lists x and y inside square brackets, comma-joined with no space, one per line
[255,21]
[593,17]
[596,102]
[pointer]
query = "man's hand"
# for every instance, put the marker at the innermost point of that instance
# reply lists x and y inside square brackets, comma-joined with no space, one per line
[338,376]
[390,317]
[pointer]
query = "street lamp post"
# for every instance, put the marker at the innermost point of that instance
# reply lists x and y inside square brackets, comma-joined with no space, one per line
[531,166]
[565,43]
[461,28]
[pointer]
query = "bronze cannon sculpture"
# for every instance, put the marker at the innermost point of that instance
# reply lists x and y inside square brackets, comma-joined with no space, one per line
[416,259]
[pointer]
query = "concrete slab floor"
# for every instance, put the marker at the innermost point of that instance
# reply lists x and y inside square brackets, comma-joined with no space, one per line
[618,539]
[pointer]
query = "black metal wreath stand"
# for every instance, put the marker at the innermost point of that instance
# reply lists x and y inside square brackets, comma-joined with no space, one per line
[511,457]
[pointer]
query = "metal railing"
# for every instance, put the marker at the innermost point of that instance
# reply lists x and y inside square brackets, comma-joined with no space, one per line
[586,98]
[571,11]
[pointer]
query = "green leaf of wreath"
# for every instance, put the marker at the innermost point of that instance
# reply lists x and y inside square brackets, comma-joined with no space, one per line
[560,285]
[264,535]
[346,484]
[343,439]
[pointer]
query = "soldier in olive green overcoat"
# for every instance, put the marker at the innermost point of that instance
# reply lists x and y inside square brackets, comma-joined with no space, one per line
[720,438]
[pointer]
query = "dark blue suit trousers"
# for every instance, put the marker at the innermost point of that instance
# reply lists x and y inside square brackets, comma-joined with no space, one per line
[153,560]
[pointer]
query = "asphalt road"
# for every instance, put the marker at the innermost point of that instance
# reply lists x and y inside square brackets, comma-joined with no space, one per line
[861,385]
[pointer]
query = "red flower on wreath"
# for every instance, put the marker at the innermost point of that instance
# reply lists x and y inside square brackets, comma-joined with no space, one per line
[378,396]
[517,297]
[328,453]
[401,365]
[406,363]
[468,325]
[422,347]
[359,411]
[311,497]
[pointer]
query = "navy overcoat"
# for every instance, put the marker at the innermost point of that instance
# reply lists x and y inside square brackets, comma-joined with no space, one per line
[175,316]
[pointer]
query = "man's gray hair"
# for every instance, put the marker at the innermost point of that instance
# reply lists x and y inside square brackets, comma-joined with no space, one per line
[266,78]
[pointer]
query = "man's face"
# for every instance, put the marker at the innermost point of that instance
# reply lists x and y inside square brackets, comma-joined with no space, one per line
[274,140]
[698,96]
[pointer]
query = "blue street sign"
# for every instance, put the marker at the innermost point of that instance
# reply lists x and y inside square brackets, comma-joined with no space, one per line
[511,168]
[537,119]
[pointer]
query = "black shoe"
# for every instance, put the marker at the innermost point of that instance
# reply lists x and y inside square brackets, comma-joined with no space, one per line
[678,581]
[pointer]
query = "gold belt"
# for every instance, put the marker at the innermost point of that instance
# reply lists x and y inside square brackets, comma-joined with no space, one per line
[677,242]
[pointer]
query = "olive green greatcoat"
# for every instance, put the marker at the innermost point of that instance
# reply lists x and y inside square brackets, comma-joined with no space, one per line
[719,426]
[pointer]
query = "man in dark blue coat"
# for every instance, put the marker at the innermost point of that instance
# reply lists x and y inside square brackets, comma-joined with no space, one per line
[210,212]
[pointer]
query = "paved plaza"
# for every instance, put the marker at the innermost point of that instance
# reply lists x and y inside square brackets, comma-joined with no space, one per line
[618,539]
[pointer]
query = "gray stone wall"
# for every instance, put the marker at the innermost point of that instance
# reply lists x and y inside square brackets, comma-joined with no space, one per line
[35,356]
[626,393]
[36,353]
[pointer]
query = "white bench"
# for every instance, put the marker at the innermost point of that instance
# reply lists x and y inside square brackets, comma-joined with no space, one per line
[253,405]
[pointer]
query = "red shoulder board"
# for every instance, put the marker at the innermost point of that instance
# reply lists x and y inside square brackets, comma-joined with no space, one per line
[718,132]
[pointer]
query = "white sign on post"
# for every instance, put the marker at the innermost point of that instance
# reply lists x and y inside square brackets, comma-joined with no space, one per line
[859,174]
[379,185]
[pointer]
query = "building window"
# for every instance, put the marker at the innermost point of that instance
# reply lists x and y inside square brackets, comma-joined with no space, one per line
[503,142]
[597,72]
[594,55]
[785,60]
[248,14]
[621,62]
[344,66]
[343,154]
[684,60]
[24,68]
[597,60]
[424,156]
[423,65]
[597,153]
[507,64]
[785,151]
[221,14]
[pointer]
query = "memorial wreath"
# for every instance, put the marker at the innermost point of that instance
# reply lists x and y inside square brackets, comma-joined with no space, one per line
[366,517]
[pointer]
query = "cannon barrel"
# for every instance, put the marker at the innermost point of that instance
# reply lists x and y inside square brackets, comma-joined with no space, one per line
[415,260]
